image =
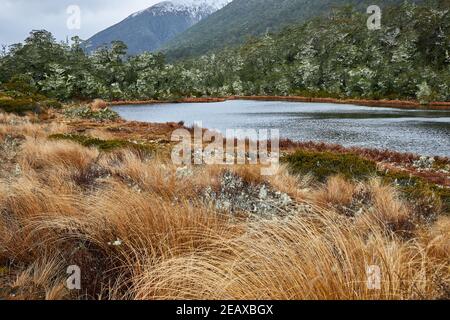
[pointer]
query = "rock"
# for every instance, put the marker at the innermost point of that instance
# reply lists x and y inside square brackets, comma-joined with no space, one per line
[184,172]
[285,199]
[263,193]
[424,163]
[236,195]
[18,170]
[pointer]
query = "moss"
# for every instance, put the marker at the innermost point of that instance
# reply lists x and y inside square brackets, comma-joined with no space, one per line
[105,145]
[18,106]
[441,164]
[51,103]
[326,164]
[20,103]
[425,197]
[3,270]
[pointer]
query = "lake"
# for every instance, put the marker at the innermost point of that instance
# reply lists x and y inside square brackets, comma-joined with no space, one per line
[418,131]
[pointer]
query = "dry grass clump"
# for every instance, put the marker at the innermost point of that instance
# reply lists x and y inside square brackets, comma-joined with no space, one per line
[320,257]
[98,104]
[381,201]
[14,125]
[388,208]
[337,191]
[139,229]
[41,154]
[116,230]
[38,281]
[437,238]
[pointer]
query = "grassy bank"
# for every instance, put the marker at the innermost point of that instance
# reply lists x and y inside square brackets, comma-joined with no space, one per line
[399,104]
[78,189]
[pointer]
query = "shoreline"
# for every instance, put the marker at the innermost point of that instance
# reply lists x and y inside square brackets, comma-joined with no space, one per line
[398,104]
[390,160]
[116,196]
[288,143]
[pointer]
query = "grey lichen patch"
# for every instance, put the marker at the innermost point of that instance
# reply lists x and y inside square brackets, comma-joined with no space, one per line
[9,148]
[234,195]
[424,163]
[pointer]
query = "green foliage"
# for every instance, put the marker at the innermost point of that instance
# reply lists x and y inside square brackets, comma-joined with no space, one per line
[106,145]
[424,93]
[20,84]
[33,57]
[51,104]
[325,164]
[242,19]
[18,106]
[330,56]
[85,112]
[20,95]
[425,197]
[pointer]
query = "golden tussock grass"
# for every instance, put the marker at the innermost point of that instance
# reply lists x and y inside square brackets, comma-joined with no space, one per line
[42,154]
[300,258]
[38,282]
[98,104]
[140,229]
[337,191]
[15,125]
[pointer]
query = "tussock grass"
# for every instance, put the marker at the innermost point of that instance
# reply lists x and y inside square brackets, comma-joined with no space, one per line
[98,104]
[139,228]
[43,154]
[13,125]
[320,257]
[38,281]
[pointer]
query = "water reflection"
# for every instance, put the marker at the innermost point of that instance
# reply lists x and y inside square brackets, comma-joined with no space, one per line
[418,131]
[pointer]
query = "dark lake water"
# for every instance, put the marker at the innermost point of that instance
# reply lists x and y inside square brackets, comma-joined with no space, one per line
[417,131]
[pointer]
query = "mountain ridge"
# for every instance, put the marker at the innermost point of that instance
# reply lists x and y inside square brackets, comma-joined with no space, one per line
[241,19]
[149,29]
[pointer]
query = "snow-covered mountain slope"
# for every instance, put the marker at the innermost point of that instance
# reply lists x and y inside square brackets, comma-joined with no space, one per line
[149,29]
[195,8]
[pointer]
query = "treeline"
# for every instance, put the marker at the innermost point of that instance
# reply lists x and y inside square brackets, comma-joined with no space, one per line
[243,18]
[337,56]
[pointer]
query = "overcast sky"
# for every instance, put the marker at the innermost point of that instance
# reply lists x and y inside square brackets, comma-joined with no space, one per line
[19,17]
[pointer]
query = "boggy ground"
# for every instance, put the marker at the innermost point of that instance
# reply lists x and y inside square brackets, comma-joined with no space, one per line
[105,196]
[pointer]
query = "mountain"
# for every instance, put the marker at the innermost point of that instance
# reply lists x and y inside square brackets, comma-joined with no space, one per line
[242,19]
[149,29]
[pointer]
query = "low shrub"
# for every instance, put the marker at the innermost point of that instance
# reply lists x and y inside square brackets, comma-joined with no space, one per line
[18,106]
[20,103]
[425,197]
[51,103]
[85,112]
[105,145]
[326,164]
[22,84]
[98,104]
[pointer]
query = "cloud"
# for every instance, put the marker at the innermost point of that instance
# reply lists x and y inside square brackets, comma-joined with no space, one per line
[19,17]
